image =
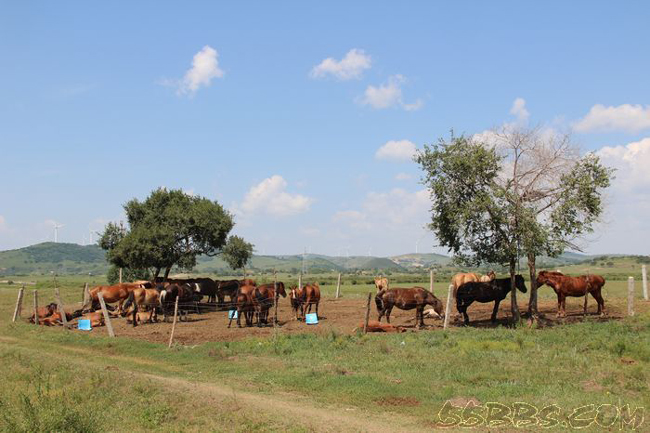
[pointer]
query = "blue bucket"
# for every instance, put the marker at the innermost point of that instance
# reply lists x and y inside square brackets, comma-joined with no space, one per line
[311,319]
[232,314]
[84,325]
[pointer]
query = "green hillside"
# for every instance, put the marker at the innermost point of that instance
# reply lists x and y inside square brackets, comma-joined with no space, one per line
[76,259]
[58,257]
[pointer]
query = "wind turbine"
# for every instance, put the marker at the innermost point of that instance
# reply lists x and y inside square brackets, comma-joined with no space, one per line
[56,231]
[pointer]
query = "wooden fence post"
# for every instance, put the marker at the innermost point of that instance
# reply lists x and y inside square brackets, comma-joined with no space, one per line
[630,296]
[84,296]
[300,281]
[59,305]
[450,293]
[338,286]
[19,304]
[431,280]
[107,318]
[171,335]
[275,290]
[644,274]
[120,275]
[365,322]
[36,307]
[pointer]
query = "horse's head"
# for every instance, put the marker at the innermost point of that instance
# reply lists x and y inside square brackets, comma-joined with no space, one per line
[543,277]
[520,283]
[437,306]
[280,287]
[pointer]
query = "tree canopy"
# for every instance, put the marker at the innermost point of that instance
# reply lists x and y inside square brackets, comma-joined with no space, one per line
[169,228]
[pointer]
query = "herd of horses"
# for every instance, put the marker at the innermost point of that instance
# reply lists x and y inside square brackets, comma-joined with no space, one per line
[471,287]
[142,300]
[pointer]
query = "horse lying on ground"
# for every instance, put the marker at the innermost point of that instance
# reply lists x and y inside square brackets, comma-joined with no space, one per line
[494,291]
[308,295]
[564,286]
[56,318]
[96,318]
[43,312]
[407,299]
[375,326]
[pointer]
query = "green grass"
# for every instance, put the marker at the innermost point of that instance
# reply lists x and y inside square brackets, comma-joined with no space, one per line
[56,379]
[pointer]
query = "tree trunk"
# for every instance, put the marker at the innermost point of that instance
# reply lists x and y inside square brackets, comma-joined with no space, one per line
[532,302]
[514,308]
[167,270]
[156,274]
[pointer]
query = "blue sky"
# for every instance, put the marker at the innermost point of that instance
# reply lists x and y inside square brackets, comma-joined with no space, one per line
[101,102]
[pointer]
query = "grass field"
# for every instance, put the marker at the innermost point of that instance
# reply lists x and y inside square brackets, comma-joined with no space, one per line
[58,380]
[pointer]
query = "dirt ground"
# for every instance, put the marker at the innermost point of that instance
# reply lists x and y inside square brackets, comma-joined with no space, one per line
[344,316]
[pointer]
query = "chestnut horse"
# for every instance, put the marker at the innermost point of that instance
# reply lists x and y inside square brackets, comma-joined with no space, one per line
[265,297]
[143,299]
[308,295]
[573,286]
[115,293]
[246,305]
[407,299]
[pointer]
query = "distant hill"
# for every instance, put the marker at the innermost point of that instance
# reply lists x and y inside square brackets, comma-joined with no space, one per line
[58,257]
[76,259]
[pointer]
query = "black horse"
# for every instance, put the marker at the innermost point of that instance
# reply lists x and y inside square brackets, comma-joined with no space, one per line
[496,290]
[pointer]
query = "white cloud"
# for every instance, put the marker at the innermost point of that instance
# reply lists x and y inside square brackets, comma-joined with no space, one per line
[352,218]
[349,67]
[401,150]
[626,117]
[403,176]
[388,95]
[270,197]
[632,162]
[205,67]
[519,110]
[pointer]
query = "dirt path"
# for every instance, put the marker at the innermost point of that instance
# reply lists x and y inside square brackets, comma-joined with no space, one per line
[299,409]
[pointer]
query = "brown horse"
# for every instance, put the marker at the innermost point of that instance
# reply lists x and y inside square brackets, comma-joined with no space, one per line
[115,293]
[246,305]
[308,295]
[381,284]
[96,318]
[44,312]
[265,297]
[407,299]
[143,299]
[573,286]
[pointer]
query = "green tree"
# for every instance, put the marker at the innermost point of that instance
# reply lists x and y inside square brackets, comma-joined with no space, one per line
[169,228]
[556,193]
[237,252]
[472,213]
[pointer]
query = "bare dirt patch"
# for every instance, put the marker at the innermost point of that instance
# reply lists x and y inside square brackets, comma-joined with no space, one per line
[342,316]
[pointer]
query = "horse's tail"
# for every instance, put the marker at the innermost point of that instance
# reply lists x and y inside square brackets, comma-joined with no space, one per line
[129,301]
[379,302]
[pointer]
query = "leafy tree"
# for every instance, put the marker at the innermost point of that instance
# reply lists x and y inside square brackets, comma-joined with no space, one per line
[237,252]
[472,214]
[169,228]
[556,193]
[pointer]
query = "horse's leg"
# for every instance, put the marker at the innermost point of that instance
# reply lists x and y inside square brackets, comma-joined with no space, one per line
[563,305]
[388,311]
[381,314]
[419,315]
[559,304]
[601,302]
[317,310]
[495,310]
[462,309]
